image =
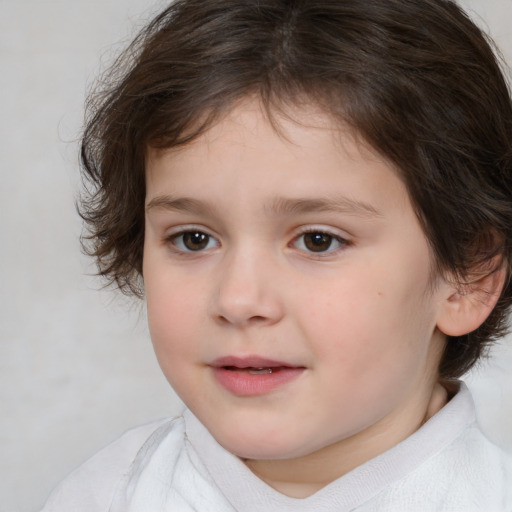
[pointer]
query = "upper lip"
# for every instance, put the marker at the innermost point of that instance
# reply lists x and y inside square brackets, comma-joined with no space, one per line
[250,362]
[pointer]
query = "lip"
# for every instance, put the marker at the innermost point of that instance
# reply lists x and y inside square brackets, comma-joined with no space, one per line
[250,362]
[248,376]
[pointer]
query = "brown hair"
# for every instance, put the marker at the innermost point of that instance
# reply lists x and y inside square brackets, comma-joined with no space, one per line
[415,78]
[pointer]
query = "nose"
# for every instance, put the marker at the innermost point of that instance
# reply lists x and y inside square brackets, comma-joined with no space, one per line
[248,292]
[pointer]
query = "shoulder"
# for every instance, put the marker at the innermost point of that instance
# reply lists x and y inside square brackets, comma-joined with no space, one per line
[475,466]
[486,467]
[448,465]
[91,487]
[469,473]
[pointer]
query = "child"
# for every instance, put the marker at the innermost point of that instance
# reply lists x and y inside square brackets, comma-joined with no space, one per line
[315,200]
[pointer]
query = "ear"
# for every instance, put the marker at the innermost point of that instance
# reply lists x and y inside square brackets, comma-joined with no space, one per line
[467,305]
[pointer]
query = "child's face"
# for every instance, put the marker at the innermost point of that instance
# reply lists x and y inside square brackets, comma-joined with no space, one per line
[300,257]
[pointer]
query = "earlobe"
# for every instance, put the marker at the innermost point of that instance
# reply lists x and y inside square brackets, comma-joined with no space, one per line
[468,305]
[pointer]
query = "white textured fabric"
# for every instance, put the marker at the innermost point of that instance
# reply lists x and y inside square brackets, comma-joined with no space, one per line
[446,466]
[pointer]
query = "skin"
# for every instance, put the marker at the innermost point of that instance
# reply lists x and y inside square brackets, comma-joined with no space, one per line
[360,317]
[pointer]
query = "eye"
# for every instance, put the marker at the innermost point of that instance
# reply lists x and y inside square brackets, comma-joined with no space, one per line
[193,241]
[319,241]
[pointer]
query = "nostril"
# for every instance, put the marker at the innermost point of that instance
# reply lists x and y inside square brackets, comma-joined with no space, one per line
[255,319]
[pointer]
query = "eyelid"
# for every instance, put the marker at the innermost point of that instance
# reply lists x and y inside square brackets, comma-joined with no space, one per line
[341,237]
[322,228]
[177,231]
[184,228]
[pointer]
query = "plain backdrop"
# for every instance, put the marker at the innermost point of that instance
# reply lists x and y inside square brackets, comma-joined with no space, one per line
[76,364]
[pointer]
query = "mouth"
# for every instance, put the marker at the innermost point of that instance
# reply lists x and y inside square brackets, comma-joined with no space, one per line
[252,371]
[250,376]
[254,365]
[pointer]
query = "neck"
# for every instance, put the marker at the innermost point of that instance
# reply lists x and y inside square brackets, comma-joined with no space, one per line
[303,476]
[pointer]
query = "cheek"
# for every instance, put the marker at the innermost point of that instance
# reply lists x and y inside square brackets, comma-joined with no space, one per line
[170,317]
[368,321]
[172,303]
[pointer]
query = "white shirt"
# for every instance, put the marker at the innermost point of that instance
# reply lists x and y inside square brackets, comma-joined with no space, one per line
[176,465]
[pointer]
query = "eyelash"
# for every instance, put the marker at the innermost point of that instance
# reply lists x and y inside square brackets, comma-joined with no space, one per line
[176,240]
[174,237]
[342,242]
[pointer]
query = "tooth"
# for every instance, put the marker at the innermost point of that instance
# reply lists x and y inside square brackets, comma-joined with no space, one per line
[260,371]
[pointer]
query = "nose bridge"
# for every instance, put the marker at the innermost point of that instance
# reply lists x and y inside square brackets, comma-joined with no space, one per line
[247,289]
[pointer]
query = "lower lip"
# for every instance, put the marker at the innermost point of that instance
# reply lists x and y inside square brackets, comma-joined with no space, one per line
[243,383]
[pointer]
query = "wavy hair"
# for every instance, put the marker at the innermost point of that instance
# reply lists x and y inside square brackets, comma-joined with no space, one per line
[416,79]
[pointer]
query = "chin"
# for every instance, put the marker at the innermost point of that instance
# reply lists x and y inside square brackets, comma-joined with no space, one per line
[266,446]
[258,447]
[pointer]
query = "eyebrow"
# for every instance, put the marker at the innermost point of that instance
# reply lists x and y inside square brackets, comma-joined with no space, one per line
[345,205]
[279,206]
[184,204]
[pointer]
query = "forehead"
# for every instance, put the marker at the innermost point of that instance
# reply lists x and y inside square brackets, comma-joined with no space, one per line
[298,125]
[301,161]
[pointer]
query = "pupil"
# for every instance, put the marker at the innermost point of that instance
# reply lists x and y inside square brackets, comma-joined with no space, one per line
[195,240]
[318,242]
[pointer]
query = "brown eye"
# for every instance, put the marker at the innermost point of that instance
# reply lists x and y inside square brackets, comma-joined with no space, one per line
[193,241]
[318,242]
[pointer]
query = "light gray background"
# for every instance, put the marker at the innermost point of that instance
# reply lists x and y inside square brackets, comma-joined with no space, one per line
[76,365]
